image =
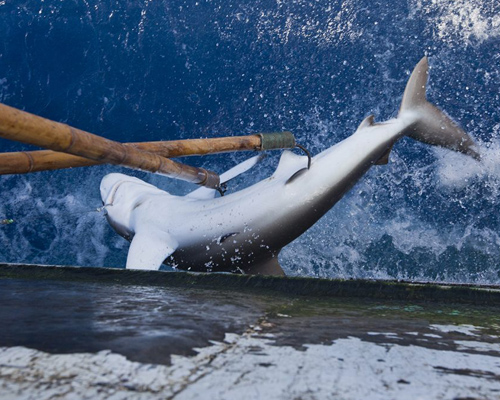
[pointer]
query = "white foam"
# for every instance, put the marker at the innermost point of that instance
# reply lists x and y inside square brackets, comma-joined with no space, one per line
[455,172]
[409,234]
[55,222]
[462,21]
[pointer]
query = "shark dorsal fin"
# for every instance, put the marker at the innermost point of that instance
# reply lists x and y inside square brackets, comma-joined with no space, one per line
[289,164]
[367,122]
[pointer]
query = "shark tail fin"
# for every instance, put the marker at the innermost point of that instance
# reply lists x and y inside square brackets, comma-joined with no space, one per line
[432,126]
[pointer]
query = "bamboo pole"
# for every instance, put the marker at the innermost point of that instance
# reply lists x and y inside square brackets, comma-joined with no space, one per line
[42,160]
[31,129]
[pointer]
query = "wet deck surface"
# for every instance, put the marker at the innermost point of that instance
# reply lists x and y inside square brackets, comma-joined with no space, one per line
[144,324]
[191,342]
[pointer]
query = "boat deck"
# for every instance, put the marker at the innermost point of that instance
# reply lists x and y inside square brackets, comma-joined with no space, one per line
[101,332]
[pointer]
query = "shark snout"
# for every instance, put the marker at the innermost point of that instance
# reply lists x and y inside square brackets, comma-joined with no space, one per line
[111,182]
[129,187]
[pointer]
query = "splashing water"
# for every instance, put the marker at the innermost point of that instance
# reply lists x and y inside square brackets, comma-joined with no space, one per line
[461,21]
[138,71]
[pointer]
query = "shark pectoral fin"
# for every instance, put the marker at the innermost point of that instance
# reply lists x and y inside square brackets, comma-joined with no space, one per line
[269,266]
[241,168]
[385,157]
[205,193]
[149,248]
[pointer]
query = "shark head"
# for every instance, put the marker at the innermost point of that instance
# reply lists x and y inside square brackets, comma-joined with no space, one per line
[111,183]
[120,195]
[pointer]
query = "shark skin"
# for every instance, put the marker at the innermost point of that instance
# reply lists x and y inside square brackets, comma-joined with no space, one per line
[245,231]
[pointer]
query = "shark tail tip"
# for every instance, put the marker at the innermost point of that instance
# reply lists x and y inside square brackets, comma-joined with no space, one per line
[431,125]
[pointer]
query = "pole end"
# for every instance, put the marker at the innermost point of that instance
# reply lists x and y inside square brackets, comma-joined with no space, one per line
[212,180]
[277,140]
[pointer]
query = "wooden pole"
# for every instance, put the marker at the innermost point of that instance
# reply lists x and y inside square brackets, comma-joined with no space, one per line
[31,129]
[34,161]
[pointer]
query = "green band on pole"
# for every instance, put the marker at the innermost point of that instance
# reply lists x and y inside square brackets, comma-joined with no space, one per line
[277,140]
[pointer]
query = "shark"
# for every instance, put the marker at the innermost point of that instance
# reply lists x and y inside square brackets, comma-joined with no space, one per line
[244,231]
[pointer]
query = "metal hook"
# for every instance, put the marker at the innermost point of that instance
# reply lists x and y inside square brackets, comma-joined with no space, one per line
[222,188]
[309,158]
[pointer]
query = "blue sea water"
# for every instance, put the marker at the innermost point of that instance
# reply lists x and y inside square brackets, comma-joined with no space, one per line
[159,70]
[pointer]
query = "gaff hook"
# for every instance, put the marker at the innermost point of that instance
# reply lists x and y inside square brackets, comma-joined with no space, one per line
[307,153]
[222,188]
